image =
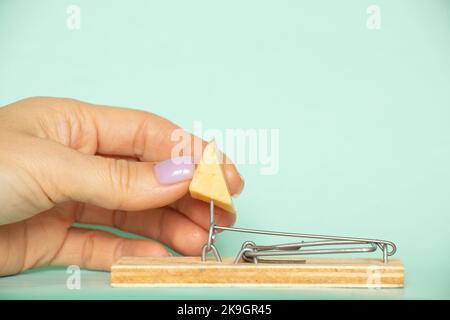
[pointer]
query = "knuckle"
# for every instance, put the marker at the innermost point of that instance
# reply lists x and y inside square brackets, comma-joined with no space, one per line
[140,139]
[87,251]
[120,176]
[118,249]
[152,133]
[119,219]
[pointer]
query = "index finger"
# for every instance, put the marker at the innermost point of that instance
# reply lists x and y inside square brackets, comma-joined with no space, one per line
[122,132]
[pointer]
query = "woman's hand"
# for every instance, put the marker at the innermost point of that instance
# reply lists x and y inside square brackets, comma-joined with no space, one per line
[64,161]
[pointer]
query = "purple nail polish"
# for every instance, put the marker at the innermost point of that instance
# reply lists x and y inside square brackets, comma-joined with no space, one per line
[174,170]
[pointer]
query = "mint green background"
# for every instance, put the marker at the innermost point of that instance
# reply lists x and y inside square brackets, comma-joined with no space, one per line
[364,115]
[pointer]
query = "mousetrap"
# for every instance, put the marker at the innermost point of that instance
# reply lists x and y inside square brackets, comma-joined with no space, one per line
[281,264]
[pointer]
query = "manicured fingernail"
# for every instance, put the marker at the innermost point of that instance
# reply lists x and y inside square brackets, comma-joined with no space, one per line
[175,170]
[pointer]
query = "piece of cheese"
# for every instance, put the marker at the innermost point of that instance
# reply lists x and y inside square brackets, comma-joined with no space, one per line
[209,181]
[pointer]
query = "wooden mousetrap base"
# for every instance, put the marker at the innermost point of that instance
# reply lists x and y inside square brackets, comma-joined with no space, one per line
[314,272]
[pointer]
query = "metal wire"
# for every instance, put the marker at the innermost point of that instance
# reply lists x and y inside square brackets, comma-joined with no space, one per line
[323,244]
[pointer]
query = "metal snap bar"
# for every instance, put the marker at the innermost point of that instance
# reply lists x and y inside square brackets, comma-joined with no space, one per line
[323,244]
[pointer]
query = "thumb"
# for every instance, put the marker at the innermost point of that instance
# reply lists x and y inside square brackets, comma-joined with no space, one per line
[126,185]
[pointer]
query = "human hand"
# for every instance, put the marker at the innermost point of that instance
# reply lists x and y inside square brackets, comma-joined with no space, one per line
[64,161]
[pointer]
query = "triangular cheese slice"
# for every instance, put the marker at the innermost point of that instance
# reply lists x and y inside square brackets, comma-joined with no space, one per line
[209,182]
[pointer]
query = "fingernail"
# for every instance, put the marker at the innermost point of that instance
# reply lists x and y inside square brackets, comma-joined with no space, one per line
[175,170]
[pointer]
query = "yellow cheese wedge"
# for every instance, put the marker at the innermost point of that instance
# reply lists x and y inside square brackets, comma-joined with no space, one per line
[209,182]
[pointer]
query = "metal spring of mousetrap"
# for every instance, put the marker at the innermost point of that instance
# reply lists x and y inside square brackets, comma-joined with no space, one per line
[323,244]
